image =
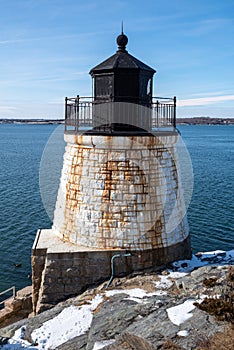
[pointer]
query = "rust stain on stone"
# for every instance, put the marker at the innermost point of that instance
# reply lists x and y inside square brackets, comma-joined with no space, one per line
[119,200]
[72,195]
[109,201]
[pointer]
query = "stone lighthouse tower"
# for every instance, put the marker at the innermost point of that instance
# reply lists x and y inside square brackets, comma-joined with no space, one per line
[120,192]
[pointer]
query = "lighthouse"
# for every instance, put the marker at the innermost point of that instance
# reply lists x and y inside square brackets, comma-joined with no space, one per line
[120,205]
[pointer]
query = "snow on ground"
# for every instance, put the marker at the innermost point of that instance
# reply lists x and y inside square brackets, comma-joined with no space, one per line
[219,257]
[71,322]
[176,274]
[164,282]
[74,321]
[101,344]
[183,333]
[133,293]
[180,313]
[212,254]
[17,343]
[188,265]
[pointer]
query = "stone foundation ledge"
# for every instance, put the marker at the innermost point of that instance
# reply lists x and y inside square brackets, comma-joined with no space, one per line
[47,241]
[163,139]
[62,270]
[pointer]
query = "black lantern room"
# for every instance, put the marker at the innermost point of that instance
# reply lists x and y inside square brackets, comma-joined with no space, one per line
[122,100]
[123,78]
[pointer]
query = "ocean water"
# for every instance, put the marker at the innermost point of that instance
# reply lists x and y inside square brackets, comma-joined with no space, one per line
[21,208]
[211,211]
[210,214]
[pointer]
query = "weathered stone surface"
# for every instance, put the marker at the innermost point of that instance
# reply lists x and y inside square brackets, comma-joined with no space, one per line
[139,176]
[68,270]
[155,329]
[9,331]
[194,283]
[140,324]
[17,308]
[115,316]
[78,343]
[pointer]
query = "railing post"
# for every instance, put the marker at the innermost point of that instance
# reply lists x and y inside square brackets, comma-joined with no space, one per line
[174,121]
[8,290]
[77,104]
[65,114]
[157,105]
[91,112]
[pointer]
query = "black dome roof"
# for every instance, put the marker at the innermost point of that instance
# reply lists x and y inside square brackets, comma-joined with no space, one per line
[121,60]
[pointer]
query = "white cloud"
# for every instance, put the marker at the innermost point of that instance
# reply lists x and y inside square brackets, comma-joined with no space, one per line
[7,108]
[204,100]
[49,38]
[212,94]
[4,42]
[33,110]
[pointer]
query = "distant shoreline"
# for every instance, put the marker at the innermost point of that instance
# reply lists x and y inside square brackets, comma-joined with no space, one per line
[32,121]
[205,121]
[179,121]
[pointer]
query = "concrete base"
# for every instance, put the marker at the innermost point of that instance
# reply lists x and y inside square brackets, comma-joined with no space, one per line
[62,270]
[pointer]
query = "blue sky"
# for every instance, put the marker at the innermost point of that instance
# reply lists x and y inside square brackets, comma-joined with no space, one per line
[47,48]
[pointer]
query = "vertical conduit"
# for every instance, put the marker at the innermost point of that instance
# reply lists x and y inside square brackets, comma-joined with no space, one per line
[113,266]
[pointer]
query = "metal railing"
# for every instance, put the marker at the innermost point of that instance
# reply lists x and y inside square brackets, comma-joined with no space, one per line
[163,112]
[78,112]
[8,290]
[86,113]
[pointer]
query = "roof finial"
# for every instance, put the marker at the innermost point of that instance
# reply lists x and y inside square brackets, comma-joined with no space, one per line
[122,40]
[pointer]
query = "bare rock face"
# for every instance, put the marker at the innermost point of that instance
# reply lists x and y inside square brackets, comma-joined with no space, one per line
[144,312]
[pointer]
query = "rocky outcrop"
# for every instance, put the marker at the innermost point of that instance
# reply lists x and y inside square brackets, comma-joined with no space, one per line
[17,308]
[144,312]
